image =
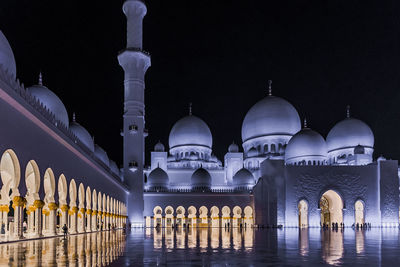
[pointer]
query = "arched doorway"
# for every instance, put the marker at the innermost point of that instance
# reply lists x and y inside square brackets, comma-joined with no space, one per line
[248,216]
[359,212]
[192,216]
[331,205]
[203,216]
[169,216]
[237,216]
[180,216]
[157,216]
[214,216]
[303,214]
[226,216]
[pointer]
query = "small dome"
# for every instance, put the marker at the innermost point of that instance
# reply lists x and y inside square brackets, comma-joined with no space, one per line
[190,131]
[7,60]
[233,148]
[50,100]
[349,133]
[201,178]
[243,178]
[306,145]
[270,116]
[359,149]
[252,152]
[158,177]
[114,167]
[82,134]
[159,147]
[101,155]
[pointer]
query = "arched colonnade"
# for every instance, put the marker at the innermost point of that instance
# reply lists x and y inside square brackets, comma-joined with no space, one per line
[81,208]
[201,217]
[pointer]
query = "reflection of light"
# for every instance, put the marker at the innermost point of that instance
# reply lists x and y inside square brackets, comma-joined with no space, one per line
[332,246]
[237,238]
[203,237]
[248,238]
[76,250]
[226,238]
[359,242]
[157,238]
[169,238]
[303,236]
[192,237]
[180,238]
[215,237]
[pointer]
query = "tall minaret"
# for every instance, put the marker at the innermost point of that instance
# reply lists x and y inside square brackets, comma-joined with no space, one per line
[135,63]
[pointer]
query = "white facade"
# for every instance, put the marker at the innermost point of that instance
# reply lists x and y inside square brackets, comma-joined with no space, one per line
[285,175]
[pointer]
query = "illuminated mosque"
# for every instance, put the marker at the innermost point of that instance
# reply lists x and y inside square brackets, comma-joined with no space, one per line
[286,174]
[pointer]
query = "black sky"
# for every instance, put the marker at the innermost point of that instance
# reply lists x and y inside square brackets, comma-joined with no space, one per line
[321,56]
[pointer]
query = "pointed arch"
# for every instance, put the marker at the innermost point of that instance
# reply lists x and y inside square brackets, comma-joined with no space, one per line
[72,193]
[10,172]
[49,185]
[62,190]
[32,182]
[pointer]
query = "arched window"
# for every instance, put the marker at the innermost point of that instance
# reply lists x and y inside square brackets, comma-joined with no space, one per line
[265,148]
[273,150]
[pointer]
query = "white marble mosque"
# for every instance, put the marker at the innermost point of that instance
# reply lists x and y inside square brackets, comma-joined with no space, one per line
[282,174]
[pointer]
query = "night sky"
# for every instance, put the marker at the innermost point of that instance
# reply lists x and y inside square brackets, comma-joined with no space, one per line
[320,55]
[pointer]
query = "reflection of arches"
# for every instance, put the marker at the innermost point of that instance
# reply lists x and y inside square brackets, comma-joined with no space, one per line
[157,211]
[203,215]
[331,206]
[359,212]
[192,216]
[303,213]
[180,215]
[226,216]
[248,216]
[32,182]
[10,175]
[237,216]
[169,216]
[214,216]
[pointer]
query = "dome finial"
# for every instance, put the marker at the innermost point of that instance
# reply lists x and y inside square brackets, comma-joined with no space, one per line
[73,117]
[270,87]
[348,111]
[190,108]
[305,123]
[40,78]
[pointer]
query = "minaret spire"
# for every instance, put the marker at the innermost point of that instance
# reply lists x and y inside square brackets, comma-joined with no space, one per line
[270,87]
[135,63]
[305,123]
[40,82]
[73,117]
[190,108]
[348,111]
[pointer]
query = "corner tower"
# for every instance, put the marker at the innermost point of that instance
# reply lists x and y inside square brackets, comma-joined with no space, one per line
[135,63]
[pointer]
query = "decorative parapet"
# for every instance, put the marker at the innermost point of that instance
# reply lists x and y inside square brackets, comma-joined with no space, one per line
[20,90]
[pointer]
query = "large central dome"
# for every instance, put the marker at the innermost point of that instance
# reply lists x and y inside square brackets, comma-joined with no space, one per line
[190,131]
[270,116]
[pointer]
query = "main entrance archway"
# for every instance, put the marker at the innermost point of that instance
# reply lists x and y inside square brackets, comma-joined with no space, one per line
[331,205]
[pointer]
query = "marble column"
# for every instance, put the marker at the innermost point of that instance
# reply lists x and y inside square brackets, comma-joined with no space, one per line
[38,217]
[4,209]
[88,220]
[18,205]
[81,220]
[73,215]
[52,219]
[64,217]
[94,220]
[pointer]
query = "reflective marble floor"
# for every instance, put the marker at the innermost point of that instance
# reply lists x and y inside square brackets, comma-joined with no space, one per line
[211,247]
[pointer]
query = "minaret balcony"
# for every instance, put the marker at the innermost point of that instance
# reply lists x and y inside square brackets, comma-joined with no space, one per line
[133,166]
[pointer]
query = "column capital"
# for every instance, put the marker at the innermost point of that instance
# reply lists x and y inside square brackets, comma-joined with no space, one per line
[52,206]
[38,203]
[18,201]
[64,208]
